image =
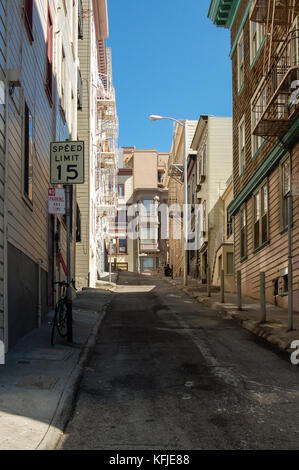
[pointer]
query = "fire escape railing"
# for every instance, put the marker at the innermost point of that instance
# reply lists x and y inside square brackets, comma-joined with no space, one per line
[274,105]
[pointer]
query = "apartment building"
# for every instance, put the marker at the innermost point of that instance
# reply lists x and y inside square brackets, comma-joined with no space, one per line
[174,181]
[38,105]
[121,249]
[93,72]
[148,215]
[223,252]
[265,65]
[209,168]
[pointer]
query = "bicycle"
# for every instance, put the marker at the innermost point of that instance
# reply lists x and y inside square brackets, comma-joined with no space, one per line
[59,324]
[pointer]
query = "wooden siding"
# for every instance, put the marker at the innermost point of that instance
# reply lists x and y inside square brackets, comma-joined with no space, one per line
[273,258]
[86,259]
[3,40]
[28,221]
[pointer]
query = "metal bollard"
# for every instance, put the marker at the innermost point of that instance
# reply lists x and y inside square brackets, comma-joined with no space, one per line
[239,290]
[263,297]
[208,282]
[222,287]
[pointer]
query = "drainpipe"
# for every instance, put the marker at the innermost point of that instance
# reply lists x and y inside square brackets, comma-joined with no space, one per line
[39,293]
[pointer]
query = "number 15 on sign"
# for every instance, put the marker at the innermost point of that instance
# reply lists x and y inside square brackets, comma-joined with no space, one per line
[67,162]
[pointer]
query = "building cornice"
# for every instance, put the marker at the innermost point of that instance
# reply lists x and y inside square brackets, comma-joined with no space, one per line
[223,12]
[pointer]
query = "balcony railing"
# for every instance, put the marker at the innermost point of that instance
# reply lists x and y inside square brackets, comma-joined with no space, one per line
[149,246]
[262,11]
[276,104]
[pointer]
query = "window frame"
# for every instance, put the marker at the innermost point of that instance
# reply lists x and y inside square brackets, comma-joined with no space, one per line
[284,222]
[28,154]
[241,61]
[243,253]
[242,137]
[260,35]
[28,6]
[262,213]
[49,56]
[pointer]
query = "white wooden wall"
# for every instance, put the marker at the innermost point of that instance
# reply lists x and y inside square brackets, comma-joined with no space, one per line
[28,223]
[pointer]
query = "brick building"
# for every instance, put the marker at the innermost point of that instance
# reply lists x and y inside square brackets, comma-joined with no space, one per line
[265,69]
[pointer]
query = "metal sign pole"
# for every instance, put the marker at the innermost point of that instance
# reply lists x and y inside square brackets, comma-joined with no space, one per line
[69,289]
[290,265]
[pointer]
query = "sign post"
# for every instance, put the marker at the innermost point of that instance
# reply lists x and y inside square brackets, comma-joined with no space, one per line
[67,168]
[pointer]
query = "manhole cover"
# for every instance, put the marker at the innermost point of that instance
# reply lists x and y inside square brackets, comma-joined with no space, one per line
[40,382]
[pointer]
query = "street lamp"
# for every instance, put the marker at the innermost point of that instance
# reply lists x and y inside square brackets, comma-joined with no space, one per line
[155,117]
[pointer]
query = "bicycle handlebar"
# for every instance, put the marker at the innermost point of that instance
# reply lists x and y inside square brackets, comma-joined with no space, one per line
[65,284]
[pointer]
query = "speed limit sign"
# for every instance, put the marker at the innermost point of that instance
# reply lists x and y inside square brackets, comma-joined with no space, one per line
[67,162]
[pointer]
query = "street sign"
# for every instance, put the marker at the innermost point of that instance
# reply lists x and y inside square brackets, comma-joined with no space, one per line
[56,201]
[67,162]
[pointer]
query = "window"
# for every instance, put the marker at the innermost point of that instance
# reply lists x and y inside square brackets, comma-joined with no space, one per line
[260,200]
[285,177]
[160,176]
[122,245]
[240,62]
[28,153]
[80,20]
[78,225]
[204,216]
[148,235]
[285,284]
[257,34]
[243,237]
[229,225]
[147,264]
[121,189]
[148,207]
[118,246]
[229,263]
[62,83]
[28,17]
[242,145]
[79,91]
[49,69]
[256,113]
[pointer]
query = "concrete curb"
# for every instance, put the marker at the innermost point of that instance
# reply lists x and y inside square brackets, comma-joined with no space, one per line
[250,325]
[67,399]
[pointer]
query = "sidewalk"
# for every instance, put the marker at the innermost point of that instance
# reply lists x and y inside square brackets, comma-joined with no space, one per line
[274,330]
[38,381]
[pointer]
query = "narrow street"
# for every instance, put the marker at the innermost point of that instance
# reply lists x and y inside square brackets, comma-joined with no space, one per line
[168,373]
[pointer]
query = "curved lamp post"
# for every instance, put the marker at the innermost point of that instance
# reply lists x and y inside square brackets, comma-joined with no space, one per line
[155,117]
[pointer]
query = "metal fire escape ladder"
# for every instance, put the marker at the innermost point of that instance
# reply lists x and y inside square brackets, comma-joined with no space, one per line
[272,107]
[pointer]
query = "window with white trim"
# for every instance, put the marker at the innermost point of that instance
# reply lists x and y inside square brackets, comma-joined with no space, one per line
[243,234]
[257,34]
[260,201]
[256,113]
[285,175]
[240,52]
[242,145]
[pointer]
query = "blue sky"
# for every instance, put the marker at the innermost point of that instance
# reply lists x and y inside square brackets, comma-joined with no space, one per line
[169,59]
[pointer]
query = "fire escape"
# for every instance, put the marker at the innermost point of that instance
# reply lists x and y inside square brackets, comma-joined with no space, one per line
[107,159]
[276,103]
[107,155]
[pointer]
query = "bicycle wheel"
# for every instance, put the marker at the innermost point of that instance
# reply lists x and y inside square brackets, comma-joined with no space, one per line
[61,319]
[59,322]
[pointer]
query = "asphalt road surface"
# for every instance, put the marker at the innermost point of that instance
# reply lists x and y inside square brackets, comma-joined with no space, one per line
[168,373]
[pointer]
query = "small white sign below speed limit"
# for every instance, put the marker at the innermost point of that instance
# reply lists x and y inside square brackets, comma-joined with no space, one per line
[67,162]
